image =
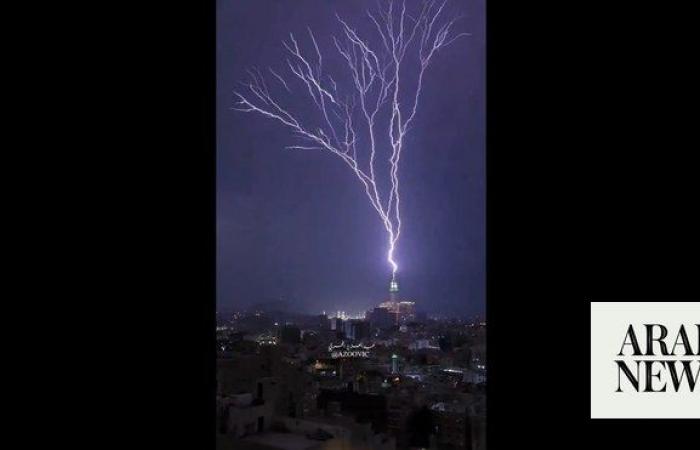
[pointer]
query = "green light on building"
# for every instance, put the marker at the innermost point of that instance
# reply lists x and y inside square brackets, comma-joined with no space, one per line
[394,286]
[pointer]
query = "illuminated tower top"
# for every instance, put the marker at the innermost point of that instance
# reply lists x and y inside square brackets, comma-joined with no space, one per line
[393,286]
[393,291]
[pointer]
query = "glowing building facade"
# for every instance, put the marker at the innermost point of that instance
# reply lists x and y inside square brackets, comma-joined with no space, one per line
[401,311]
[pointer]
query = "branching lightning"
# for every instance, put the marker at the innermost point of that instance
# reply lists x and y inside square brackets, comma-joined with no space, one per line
[376,76]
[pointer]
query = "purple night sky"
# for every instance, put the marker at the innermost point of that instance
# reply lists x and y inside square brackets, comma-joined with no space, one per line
[297,225]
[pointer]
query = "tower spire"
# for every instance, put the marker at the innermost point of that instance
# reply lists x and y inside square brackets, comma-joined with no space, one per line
[393,285]
[393,297]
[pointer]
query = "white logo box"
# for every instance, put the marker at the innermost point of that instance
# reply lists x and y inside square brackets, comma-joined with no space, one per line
[610,322]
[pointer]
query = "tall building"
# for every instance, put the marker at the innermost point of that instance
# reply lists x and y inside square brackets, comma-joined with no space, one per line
[322,322]
[356,329]
[337,324]
[392,303]
[393,290]
[348,329]
[291,334]
[401,311]
[406,312]
[382,318]
[361,329]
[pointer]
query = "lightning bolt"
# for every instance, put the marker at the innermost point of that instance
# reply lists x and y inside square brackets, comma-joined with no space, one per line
[374,84]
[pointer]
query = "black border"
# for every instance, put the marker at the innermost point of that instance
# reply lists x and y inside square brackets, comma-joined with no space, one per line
[591,193]
[589,187]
